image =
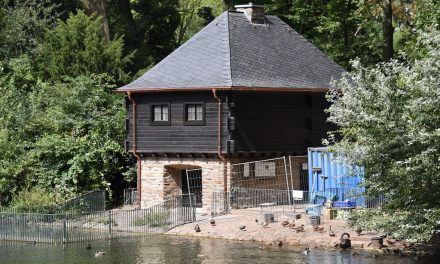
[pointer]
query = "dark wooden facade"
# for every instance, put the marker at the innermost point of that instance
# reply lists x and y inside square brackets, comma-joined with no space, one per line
[253,123]
[177,137]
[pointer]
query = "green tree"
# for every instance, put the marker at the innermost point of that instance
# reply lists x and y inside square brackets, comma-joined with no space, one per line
[64,136]
[77,47]
[194,15]
[343,29]
[22,25]
[419,15]
[388,120]
[148,28]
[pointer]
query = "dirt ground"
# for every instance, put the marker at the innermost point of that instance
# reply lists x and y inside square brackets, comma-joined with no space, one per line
[228,227]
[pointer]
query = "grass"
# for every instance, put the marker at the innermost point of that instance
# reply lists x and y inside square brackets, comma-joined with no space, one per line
[154,219]
[106,221]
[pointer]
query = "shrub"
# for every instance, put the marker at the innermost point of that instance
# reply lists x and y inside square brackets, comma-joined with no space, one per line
[34,200]
[153,219]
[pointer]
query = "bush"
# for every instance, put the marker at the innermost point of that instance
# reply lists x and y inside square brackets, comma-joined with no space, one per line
[34,200]
[417,225]
[387,120]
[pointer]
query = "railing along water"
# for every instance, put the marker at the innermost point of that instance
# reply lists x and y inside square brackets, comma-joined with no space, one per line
[77,225]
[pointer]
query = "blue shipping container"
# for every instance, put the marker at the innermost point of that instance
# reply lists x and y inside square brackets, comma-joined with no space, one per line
[330,179]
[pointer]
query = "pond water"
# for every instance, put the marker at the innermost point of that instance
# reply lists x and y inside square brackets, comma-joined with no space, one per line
[171,249]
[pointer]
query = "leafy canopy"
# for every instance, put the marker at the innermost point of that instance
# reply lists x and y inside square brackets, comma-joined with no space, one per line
[76,47]
[389,122]
[63,133]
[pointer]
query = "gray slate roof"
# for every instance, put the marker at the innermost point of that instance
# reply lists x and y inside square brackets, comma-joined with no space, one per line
[232,52]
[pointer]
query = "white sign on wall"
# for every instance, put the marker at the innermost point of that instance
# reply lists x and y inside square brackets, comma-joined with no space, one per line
[246,170]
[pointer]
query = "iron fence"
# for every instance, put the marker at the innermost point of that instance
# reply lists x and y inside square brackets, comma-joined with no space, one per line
[278,200]
[92,201]
[242,198]
[86,226]
[220,203]
[130,196]
[261,180]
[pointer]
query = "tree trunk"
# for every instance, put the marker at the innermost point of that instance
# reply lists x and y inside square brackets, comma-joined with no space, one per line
[387,30]
[98,7]
[125,9]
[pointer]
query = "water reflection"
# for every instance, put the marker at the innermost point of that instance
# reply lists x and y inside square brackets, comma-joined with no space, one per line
[165,249]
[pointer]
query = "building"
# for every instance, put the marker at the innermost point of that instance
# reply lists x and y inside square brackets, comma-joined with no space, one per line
[246,87]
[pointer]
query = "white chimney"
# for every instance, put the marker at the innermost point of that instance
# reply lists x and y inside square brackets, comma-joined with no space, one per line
[254,13]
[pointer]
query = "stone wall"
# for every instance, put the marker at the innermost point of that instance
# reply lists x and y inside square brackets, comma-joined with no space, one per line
[161,178]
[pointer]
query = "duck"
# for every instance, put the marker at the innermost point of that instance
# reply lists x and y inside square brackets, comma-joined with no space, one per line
[99,253]
[279,243]
[212,222]
[197,228]
[345,243]
[300,229]
[89,246]
[292,224]
[320,228]
[285,223]
[358,231]
[330,232]
[242,228]
[315,227]
[306,251]
[390,241]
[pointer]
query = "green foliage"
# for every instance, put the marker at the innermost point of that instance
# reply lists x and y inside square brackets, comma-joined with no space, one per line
[414,225]
[148,27]
[194,15]
[22,26]
[342,29]
[388,118]
[77,47]
[34,200]
[154,219]
[65,137]
[425,15]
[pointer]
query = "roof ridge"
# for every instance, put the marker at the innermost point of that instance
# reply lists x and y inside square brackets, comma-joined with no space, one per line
[229,48]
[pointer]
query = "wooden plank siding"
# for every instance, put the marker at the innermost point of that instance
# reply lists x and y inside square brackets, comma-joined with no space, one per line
[278,122]
[177,137]
[264,123]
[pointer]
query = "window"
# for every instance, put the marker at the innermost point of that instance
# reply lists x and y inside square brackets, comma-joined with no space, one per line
[160,114]
[194,114]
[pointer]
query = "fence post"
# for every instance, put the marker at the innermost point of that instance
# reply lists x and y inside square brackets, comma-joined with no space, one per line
[287,180]
[109,224]
[65,238]
[103,200]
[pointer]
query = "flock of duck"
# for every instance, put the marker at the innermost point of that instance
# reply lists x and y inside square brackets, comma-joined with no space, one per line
[344,242]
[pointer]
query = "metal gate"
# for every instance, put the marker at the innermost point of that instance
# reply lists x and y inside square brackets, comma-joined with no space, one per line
[260,183]
[192,186]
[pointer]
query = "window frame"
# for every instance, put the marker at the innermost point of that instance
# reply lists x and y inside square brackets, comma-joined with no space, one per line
[187,122]
[160,123]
